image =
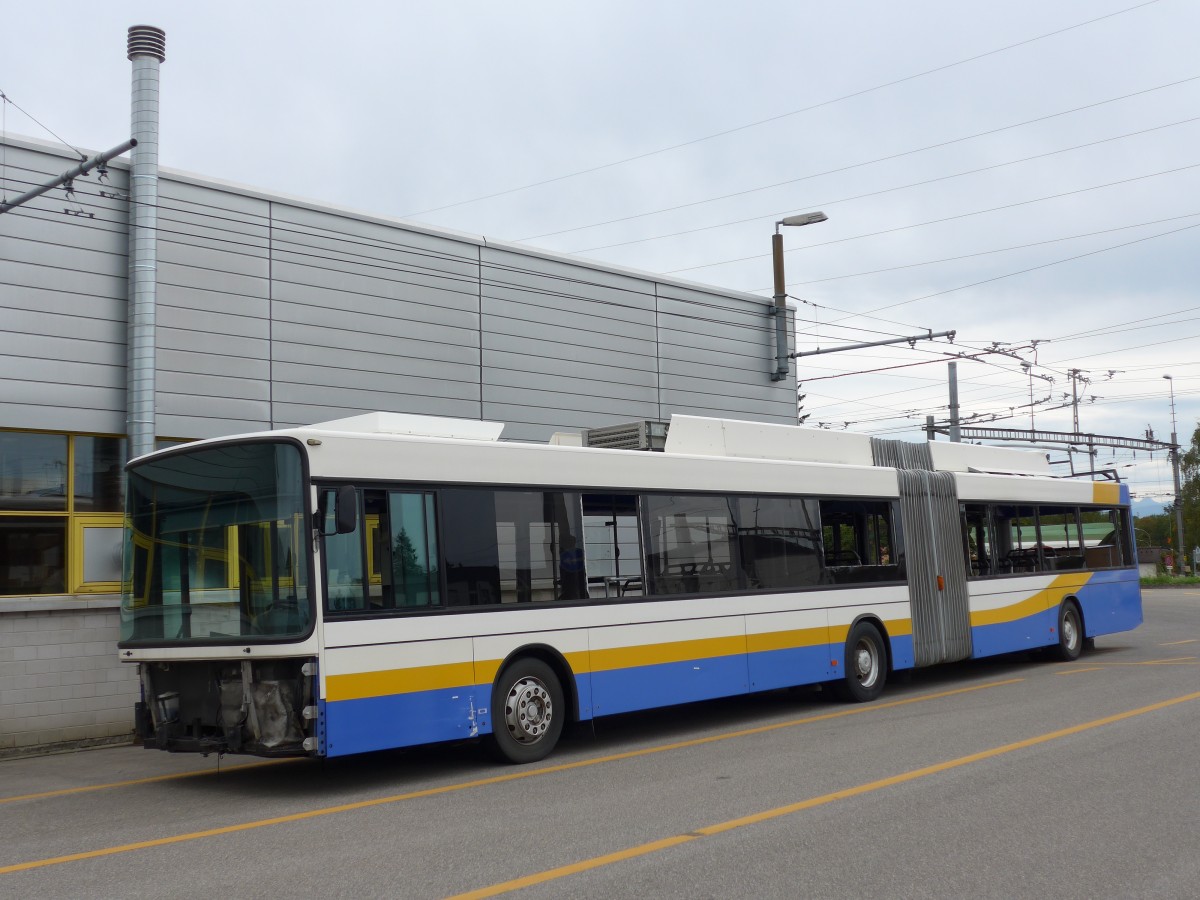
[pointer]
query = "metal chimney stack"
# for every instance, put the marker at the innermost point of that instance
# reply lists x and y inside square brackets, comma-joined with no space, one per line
[147,49]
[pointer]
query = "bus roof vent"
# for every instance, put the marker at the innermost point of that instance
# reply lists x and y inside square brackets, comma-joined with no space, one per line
[645,435]
[955,457]
[422,426]
[699,436]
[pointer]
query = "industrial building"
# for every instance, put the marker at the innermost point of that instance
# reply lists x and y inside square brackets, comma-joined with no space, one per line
[130,320]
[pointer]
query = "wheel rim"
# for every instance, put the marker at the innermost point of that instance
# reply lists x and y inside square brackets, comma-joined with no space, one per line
[866,662]
[1070,630]
[528,710]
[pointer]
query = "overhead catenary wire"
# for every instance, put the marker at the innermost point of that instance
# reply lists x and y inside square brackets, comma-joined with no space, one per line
[491,285]
[1056,262]
[187,238]
[850,315]
[1043,243]
[888,158]
[5,99]
[255,249]
[442,274]
[857,237]
[795,112]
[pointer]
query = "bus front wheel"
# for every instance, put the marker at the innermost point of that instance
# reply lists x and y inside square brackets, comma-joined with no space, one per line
[527,712]
[866,665]
[1070,633]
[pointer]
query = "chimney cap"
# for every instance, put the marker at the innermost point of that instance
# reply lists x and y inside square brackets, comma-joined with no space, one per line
[146,40]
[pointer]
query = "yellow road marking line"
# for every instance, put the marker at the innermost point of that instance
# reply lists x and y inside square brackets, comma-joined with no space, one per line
[1078,671]
[779,811]
[496,779]
[1173,643]
[1171,661]
[175,776]
[1167,662]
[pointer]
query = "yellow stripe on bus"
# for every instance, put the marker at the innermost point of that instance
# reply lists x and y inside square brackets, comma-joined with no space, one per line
[1108,494]
[787,640]
[398,681]
[365,685]
[486,669]
[671,652]
[1043,600]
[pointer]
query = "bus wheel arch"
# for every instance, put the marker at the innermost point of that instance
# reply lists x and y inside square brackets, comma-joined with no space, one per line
[866,661]
[533,697]
[1071,633]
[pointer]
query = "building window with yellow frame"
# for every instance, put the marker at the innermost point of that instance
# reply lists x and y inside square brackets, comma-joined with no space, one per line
[62,497]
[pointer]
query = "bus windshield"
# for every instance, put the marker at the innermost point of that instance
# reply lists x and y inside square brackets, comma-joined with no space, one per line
[216,547]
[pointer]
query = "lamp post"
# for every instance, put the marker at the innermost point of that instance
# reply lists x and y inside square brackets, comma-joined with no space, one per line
[779,309]
[1175,473]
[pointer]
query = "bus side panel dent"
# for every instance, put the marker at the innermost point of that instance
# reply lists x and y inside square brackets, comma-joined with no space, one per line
[405,720]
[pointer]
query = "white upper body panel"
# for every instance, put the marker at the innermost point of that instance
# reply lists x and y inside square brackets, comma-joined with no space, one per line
[701,454]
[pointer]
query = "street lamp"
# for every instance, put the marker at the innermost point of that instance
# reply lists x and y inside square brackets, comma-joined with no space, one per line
[1175,472]
[779,309]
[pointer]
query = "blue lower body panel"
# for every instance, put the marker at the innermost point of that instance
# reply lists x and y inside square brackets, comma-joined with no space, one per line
[773,669]
[405,720]
[647,687]
[1028,633]
[903,655]
[1111,602]
[425,717]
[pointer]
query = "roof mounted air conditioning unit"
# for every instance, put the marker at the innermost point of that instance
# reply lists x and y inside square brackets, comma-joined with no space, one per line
[628,436]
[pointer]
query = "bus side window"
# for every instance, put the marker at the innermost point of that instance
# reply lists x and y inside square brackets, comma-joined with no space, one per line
[1059,537]
[1015,535]
[1105,537]
[780,542]
[512,546]
[977,540]
[411,550]
[858,542]
[343,558]
[612,547]
[692,550]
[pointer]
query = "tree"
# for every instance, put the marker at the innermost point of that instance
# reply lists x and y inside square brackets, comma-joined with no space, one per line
[1155,531]
[406,565]
[1189,473]
[801,415]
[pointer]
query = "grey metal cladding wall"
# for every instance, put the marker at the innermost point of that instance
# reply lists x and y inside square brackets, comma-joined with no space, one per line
[565,346]
[62,299]
[371,316]
[716,356]
[213,314]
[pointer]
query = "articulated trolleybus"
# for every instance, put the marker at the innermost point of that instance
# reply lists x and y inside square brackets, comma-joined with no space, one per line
[384,581]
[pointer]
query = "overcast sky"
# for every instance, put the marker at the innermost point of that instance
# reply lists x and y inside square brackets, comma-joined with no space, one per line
[953,145]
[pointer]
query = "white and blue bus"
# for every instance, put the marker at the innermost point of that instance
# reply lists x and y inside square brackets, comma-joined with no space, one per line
[385,580]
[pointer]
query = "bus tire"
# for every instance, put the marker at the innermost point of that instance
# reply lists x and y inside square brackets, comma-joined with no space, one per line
[865,670]
[1070,633]
[528,709]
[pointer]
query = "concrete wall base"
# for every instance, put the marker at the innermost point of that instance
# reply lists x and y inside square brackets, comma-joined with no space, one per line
[60,680]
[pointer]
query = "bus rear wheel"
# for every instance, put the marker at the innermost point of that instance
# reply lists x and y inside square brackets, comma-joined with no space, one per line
[865,670]
[1070,633]
[527,712]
